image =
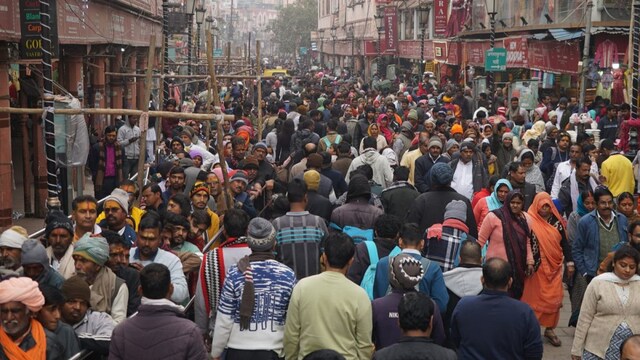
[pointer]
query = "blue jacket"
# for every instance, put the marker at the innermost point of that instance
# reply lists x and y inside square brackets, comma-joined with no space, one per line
[432,282]
[586,246]
[505,337]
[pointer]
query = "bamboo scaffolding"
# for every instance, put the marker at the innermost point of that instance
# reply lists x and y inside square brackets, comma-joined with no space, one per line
[130,112]
[144,107]
[203,77]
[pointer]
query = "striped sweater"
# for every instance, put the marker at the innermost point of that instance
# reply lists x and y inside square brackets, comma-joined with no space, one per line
[298,236]
[273,283]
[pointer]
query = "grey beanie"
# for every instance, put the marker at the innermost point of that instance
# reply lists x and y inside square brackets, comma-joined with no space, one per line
[33,252]
[405,272]
[456,209]
[441,174]
[261,236]
[451,143]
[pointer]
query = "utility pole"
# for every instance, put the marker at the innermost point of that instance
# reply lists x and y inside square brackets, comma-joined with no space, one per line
[165,50]
[635,59]
[585,55]
[492,44]
[230,34]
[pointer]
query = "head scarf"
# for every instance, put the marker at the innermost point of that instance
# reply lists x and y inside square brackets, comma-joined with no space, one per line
[580,208]
[493,202]
[94,249]
[516,235]
[23,290]
[547,239]
[385,130]
[536,132]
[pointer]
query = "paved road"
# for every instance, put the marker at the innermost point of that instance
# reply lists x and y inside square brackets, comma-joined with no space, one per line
[564,332]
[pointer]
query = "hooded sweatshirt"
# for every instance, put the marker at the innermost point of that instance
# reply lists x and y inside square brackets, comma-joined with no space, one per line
[461,281]
[382,173]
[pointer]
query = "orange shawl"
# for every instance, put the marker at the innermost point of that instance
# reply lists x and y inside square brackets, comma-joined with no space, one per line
[14,352]
[543,290]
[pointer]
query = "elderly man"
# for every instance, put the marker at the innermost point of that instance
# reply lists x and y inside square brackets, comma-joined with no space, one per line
[11,251]
[21,335]
[59,234]
[93,328]
[109,293]
[116,209]
[35,265]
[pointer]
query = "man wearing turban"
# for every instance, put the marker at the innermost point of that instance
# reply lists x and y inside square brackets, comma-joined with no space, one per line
[11,250]
[109,293]
[22,337]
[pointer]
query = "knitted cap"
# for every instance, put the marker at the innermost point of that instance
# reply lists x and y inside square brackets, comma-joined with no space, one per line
[405,272]
[199,186]
[441,174]
[451,143]
[467,145]
[312,178]
[435,141]
[76,287]
[261,236]
[12,239]
[57,220]
[260,145]
[456,209]
[240,176]
[33,252]
[121,197]
[507,135]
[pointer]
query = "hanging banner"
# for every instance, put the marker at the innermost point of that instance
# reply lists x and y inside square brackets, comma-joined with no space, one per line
[517,52]
[31,29]
[391,29]
[440,17]
[554,56]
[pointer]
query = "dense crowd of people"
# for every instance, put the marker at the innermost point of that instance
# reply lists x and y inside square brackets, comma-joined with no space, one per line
[350,222]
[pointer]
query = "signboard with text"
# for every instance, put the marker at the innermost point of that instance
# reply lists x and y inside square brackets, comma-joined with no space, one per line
[391,29]
[30,41]
[440,17]
[495,59]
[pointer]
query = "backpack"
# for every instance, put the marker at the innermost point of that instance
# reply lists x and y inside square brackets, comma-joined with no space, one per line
[358,235]
[425,266]
[370,274]
[328,142]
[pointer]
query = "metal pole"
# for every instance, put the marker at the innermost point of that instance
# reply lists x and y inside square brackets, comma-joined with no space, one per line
[198,29]
[492,44]
[422,51]
[321,50]
[585,55]
[635,23]
[333,61]
[165,51]
[47,78]
[189,43]
[378,47]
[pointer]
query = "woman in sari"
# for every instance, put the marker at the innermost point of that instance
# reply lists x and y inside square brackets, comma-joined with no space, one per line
[543,290]
[374,132]
[507,231]
[385,130]
[491,202]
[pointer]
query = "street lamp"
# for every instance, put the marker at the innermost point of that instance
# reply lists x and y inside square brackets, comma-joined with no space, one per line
[423,12]
[199,20]
[333,36]
[350,35]
[166,5]
[189,8]
[379,17]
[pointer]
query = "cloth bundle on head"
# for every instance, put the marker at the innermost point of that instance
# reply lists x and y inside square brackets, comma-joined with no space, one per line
[435,141]
[552,114]
[23,290]
[261,236]
[195,151]
[94,249]
[76,287]
[33,252]
[312,178]
[12,239]
[239,176]
[456,209]
[57,220]
[199,186]
[121,197]
[441,174]
[405,272]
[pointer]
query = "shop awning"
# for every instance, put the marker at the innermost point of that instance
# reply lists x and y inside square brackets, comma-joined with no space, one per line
[610,30]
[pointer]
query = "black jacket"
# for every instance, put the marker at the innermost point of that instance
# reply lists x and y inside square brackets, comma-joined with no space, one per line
[397,199]
[415,348]
[319,205]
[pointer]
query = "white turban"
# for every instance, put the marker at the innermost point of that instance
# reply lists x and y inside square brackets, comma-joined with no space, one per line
[13,239]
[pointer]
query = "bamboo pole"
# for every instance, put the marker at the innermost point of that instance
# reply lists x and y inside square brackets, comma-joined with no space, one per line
[142,141]
[203,77]
[216,102]
[259,70]
[131,112]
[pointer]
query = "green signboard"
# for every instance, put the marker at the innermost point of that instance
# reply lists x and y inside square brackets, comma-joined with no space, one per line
[217,52]
[495,59]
